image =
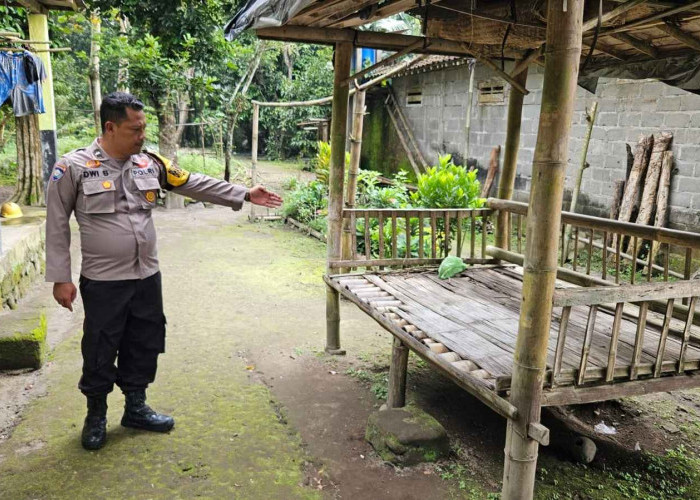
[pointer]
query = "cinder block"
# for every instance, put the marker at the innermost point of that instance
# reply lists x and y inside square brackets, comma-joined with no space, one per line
[671,103]
[676,120]
[22,340]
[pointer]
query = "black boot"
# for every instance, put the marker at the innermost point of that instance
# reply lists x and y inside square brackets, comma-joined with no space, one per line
[139,415]
[95,428]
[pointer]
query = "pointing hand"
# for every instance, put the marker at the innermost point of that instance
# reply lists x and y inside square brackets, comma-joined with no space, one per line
[261,196]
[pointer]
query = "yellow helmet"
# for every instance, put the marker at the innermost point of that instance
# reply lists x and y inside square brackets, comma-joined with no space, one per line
[10,210]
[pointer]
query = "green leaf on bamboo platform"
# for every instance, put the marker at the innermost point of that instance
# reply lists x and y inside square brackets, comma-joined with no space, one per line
[450,266]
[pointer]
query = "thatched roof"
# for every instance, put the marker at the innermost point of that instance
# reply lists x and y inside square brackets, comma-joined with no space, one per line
[642,38]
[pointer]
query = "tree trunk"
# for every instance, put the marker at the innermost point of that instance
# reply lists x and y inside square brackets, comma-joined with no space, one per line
[183,111]
[287,57]
[228,132]
[30,188]
[167,145]
[94,69]
[563,56]
[651,184]
[123,71]
[662,198]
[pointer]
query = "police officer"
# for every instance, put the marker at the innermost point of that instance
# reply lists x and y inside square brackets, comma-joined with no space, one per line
[112,186]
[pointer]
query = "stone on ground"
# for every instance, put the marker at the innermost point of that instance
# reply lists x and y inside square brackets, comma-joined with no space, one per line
[407,436]
[22,341]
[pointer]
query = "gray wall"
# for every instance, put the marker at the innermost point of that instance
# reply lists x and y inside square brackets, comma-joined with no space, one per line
[626,109]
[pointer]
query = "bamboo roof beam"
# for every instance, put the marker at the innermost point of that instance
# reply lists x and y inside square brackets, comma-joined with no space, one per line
[676,32]
[416,45]
[606,51]
[529,58]
[370,39]
[316,11]
[387,9]
[651,20]
[639,45]
[494,67]
[612,14]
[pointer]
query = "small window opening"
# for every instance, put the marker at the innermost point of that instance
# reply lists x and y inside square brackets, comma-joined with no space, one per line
[492,92]
[414,97]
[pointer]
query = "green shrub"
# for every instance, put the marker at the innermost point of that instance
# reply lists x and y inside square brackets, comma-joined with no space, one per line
[447,185]
[322,162]
[307,202]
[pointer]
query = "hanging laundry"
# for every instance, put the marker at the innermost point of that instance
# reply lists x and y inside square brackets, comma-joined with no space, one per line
[7,79]
[27,97]
[31,70]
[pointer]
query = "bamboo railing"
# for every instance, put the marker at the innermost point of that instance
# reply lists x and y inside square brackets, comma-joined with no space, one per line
[630,259]
[415,237]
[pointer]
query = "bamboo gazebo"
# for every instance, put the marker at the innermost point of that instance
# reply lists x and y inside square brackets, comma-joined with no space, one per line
[520,329]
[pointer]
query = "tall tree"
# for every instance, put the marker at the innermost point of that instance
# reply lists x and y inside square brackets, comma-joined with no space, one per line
[94,71]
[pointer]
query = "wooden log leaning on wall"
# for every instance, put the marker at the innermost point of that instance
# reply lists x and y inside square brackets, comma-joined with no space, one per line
[510,157]
[343,54]
[661,216]
[543,222]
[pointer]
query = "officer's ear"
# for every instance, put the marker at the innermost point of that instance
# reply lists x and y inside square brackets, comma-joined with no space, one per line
[109,127]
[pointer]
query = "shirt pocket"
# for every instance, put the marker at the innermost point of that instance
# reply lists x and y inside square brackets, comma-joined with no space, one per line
[99,196]
[148,188]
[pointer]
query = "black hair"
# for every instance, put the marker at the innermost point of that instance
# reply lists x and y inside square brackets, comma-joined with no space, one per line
[113,107]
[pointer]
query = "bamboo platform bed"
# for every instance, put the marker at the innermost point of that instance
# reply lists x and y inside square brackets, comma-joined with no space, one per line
[610,336]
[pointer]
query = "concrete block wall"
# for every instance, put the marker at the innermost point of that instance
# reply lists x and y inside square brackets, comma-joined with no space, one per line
[626,109]
[21,262]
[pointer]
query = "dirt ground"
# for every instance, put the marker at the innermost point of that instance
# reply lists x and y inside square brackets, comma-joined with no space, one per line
[262,412]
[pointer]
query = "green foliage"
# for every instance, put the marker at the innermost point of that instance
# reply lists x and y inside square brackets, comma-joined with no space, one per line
[447,185]
[212,167]
[307,202]
[322,162]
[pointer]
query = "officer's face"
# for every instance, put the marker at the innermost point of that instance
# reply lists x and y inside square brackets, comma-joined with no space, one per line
[128,135]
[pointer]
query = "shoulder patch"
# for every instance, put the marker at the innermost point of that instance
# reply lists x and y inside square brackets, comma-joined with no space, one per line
[176,176]
[58,171]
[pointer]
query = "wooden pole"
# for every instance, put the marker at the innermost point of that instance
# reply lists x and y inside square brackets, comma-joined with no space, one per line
[590,118]
[491,174]
[339,119]
[254,153]
[562,61]
[468,122]
[396,393]
[510,159]
[355,151]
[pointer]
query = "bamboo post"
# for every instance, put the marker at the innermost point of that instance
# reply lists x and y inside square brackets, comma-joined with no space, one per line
[510,159]
[254,153]
[470,98]
[339,118]
[562,61]
[590,118]
[396,393]
[355,151]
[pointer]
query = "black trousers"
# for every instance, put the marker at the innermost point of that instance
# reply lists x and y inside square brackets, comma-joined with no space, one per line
[124,322]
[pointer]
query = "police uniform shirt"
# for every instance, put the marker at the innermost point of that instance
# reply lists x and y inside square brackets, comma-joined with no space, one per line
[112,201]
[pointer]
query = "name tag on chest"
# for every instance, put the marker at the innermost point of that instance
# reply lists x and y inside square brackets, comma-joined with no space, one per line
[92,174]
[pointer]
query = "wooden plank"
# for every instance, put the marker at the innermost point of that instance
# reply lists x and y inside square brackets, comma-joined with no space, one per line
[433,235]
[639,339]
[472,236]
[484,234]
[626,293]
[459,234]
[590,326]
[561,340]
[408,237]
[421,235]
[416,212]
[368,241]
[394,250]
[381,237]
[686,334]
[446,250]
[614,337]
[583,395]
[662,339]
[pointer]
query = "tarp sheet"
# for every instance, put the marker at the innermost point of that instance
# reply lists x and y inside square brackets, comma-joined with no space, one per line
[263,14]
[682,72]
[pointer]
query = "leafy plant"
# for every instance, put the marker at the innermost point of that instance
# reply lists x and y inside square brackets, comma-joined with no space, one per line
[447,185]
[307,202]
[322,162]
